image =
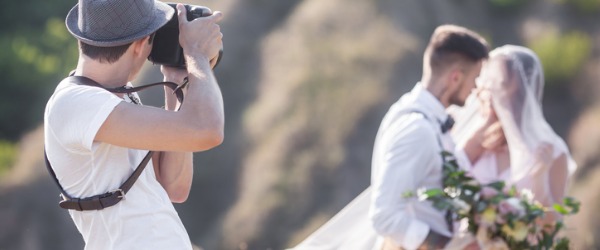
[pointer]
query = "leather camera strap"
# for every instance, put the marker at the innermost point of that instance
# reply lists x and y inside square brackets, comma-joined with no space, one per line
[111,198]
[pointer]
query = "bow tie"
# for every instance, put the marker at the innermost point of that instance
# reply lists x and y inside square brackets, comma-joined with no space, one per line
[447,125]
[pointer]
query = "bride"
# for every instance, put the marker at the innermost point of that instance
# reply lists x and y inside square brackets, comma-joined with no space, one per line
[534,157]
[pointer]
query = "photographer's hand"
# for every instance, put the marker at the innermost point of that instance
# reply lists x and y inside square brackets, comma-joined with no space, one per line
[201,41]
[200,38]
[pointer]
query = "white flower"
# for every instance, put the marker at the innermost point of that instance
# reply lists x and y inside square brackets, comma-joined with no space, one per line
[527,195]
[421,194]
[462,206]
[452,192]
[516,206]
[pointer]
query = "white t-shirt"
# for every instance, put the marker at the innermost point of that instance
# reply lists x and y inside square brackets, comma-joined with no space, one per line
[146,218]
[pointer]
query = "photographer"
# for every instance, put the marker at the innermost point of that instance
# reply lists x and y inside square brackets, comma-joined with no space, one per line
[94,139]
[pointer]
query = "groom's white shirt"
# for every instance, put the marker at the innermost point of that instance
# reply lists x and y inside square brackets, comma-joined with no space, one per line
[407,157]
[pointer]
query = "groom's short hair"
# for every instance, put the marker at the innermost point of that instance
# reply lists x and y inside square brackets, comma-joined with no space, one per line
[450,44]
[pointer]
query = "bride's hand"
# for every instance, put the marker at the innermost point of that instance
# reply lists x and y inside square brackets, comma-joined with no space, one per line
[493,135]
[488,135]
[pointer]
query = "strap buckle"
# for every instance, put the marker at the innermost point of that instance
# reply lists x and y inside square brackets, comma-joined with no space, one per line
[121,193]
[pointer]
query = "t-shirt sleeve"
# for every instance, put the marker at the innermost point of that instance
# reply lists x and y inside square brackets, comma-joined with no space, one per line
[76,114]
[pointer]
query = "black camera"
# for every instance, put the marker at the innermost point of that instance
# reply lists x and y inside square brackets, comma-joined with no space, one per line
[166,49]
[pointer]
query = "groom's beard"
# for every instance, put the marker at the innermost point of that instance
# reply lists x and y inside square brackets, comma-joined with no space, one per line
[455,99]
[459,95]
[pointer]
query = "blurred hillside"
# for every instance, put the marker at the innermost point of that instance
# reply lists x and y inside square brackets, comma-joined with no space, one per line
[305,84]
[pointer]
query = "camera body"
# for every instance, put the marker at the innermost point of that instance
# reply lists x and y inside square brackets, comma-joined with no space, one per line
[166,49]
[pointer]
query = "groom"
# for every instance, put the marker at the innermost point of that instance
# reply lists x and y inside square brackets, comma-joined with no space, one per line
[412,134]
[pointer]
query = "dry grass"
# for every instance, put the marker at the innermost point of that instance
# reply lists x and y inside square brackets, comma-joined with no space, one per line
[322,71]
[585,145]
[29,161]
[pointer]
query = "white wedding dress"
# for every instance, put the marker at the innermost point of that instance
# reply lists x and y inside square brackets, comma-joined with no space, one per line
[348,229]
[514,77]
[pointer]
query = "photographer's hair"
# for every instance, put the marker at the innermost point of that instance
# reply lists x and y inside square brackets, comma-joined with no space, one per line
[103,54]
[452,44]
[107,54]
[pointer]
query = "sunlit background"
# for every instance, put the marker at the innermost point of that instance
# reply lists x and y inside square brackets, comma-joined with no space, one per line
[306,84]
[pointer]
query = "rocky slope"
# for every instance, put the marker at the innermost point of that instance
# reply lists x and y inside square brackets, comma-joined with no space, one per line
[306,83]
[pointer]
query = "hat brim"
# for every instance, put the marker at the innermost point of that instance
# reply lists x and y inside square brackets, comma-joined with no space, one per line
[162,12]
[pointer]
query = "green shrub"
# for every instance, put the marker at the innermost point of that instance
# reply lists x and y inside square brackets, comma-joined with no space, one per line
[32,64]
[585,6]
[37,52]
[562,55]
[507,3]
[8,155]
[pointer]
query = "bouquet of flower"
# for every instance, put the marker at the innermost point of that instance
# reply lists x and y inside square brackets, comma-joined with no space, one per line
[500,217]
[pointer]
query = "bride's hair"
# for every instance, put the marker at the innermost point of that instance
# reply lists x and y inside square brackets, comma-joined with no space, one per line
[531,68]
[514,86]
[523,77]
[452,44]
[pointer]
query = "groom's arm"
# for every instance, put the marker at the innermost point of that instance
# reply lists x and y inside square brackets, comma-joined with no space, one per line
[404,158]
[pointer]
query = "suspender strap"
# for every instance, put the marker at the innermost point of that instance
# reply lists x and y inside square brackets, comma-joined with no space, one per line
[98,202]
[448,216]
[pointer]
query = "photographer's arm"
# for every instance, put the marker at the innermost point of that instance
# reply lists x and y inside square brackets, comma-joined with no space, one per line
[199,124]
[174,170]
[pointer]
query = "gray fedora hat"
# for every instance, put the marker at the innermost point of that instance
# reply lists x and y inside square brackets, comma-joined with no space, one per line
[107,23]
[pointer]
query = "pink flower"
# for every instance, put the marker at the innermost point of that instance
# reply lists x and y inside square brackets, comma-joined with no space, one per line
[500,219]
[477,218]
[504,208]
[532,239]
[488,192]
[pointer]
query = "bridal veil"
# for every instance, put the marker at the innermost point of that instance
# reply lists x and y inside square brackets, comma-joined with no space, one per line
[515,80]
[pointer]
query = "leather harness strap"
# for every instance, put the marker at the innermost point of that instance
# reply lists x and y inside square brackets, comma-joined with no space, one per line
[101,201]
[98,202]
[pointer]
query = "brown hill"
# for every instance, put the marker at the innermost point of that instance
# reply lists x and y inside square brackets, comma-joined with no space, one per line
[306,84]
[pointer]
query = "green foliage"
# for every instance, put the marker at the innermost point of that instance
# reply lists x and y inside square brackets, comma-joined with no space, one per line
[569,206]
[507,3]
[8,152]
[38,52]
[584,6]
[562,55]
